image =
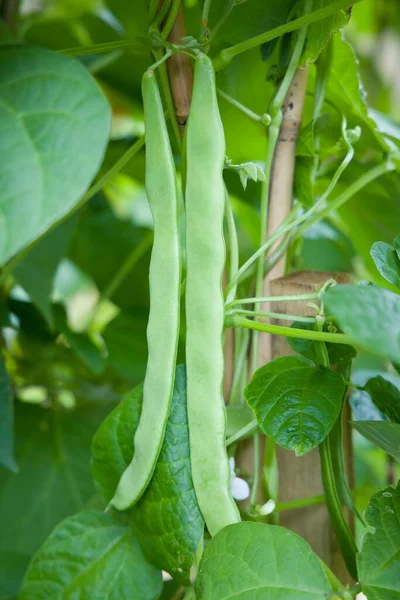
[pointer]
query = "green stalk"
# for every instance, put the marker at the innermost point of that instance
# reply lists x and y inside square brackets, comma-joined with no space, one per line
[233,242]
[351,190]
[259,300]
[340,526]
[264,119]
[226,55]
[270,315]
[171,19]
[291,332]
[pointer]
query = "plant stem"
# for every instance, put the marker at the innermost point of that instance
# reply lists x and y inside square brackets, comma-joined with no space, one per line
[350,191]
[239,367]
[233,243]
[318,336]
[205,13]
[171,19]
[256,469]
[242,432]
[270,315]
[264,119]
[299,503]
[132,45]
[259,300]
[113,170]
[226,55]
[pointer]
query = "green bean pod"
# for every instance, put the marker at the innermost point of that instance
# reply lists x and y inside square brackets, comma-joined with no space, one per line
[164,278]
[205,253]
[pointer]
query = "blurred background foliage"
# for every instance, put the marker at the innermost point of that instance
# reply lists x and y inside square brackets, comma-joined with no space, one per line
[73,313]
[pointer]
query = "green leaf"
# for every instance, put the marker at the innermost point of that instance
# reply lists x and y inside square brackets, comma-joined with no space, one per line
[53,481]
[54,124]
[35,273]
[383,434]
[325,248]
[370,315]
[251,561]
[338,353]
[379,559]
[306,144]
[303,181]
[387,262]
[6,420]
[295,401]
[385,396]
[112,446]
[319,33]
[125,338]
[167,520]
[91,555]
[346,92]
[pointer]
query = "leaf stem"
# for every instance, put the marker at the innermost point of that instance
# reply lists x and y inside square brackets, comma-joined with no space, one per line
[242,432]
[260,300]
[292,332]
[265,119]
[233,243]
[270,315]
[226,55]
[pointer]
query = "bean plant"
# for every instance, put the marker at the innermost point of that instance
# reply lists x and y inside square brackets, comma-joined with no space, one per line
[168,167]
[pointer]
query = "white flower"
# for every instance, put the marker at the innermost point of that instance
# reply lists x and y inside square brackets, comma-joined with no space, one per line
[239,487]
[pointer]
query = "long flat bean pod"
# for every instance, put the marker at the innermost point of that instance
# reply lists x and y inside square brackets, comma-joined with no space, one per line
[205,250]
[163,323]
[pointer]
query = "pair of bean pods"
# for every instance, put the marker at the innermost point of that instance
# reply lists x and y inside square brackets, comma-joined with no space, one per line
[205,251]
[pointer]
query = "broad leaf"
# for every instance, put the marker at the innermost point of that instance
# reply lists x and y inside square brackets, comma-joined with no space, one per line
[91,555]
[54,124]
[6,420]
[379,559]
[319,33]
[383,434]
[35,273]
[112,446]
[171,543]
[385,396]
[387,262]
[251,561]
[53,481]
[370,315]
[295,401]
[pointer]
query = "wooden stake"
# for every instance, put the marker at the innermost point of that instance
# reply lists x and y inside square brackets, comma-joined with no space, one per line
[300,477]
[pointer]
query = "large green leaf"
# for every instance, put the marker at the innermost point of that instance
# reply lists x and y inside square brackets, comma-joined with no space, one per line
[253,561]
[379,559]
[383,434]
[112,446]
[53,481]
[54,124]
[125,338]
[35,273]
[319,33]
[385,396]
[91,555]
[295,401]
[6,420]
[387,262]
[370,315]
[167,519]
